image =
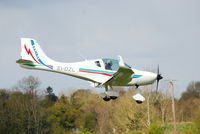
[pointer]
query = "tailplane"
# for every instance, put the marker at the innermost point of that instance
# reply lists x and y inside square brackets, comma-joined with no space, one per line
[33,55]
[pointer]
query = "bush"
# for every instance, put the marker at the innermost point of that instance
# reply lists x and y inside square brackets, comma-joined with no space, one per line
[191,130]
[155,129]
[84,131]
[196,128]
[134,132]
[88,121]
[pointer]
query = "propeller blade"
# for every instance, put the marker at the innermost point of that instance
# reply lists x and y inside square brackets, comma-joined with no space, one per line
[159,77]
[157,82]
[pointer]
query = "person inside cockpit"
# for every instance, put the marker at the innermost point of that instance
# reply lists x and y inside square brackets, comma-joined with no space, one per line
[109,65]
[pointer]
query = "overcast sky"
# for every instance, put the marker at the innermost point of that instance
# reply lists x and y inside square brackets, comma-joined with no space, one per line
[145,32]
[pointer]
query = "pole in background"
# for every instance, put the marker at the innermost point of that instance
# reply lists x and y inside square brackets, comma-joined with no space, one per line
[173,106]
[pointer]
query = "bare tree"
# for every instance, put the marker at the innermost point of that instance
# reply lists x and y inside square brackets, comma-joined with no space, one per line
[29,85]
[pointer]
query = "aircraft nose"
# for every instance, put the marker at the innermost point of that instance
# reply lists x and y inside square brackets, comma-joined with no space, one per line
[153,76]
[149,78]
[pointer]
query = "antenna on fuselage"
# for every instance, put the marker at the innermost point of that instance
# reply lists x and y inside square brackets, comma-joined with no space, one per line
[82,56]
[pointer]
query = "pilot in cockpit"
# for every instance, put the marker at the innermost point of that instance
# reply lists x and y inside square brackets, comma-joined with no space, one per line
[109,65]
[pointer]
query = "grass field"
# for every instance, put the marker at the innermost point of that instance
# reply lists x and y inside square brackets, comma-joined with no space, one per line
[181,128]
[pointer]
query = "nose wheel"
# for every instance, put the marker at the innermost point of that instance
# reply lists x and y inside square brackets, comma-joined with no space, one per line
[138,98]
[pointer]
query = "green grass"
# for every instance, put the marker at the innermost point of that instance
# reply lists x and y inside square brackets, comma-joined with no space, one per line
[180,127]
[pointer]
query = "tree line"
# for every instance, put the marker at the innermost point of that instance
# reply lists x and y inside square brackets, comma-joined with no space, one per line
[26,109]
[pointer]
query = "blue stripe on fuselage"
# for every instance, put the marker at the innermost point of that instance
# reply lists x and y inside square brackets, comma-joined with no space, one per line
[137,76]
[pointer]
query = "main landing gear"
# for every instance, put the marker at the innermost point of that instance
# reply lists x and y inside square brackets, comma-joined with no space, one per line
[109,94]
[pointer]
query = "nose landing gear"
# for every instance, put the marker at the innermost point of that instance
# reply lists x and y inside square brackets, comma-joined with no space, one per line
[138,98]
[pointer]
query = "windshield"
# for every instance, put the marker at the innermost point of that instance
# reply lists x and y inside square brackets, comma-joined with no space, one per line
[112,64]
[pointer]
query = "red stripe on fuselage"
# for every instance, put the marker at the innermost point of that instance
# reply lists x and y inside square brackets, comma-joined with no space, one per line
[96,73]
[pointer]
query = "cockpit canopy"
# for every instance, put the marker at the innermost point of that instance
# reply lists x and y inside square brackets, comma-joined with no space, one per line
[112,64]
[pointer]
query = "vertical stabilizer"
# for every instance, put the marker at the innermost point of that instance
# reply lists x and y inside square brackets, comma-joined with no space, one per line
[31,51]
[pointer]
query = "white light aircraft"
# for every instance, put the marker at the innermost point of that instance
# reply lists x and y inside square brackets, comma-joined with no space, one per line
[104,72]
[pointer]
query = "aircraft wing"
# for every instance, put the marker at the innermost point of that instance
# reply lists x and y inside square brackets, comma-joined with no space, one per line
[122,76]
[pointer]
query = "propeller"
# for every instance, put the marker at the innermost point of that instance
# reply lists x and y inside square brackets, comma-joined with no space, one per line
[159,77]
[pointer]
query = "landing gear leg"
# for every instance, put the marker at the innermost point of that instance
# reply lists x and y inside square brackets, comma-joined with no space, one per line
[106,87]
[106,97]
[136,86]
[109,94]
[113,94]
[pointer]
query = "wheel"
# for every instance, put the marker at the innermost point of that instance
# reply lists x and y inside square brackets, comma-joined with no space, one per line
[139,101]
[106,98]
[113,97]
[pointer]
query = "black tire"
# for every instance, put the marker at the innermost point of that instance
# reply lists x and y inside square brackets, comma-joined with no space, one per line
[106,98]
[139,101]
[113,97]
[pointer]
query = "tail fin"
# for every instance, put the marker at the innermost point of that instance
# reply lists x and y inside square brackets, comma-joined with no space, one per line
[31,51]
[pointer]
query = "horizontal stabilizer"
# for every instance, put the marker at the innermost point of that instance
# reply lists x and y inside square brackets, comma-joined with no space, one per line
[22,61]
